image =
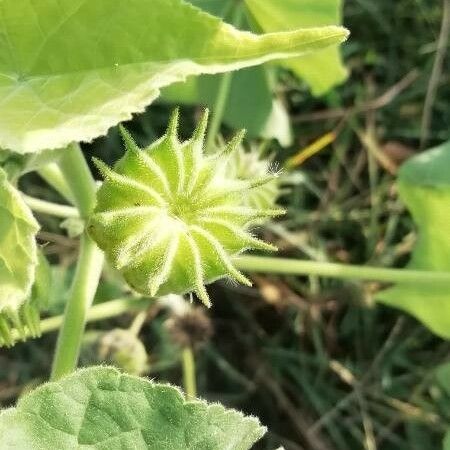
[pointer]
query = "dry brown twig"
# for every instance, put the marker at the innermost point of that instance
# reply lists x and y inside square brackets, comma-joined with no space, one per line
[380,102]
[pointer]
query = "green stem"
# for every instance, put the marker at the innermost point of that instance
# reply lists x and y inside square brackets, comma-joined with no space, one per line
[342,271]
[52,209]
[189,380]
[138,323]
[223,92]
[78,178]
[89,267]
[218,110]
[52,174]
[98,312]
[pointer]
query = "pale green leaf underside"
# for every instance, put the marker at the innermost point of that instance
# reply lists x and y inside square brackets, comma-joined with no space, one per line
[70,69]
[18,252]
[424,186]
[100,409]
[321,70]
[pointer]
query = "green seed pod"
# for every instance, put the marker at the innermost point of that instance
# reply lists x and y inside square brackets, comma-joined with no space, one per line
[120,348]
[170,218]
[248,165]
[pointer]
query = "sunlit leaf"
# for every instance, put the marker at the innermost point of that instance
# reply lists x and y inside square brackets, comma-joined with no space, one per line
[424,186]
[101,409]
[70,69]
[321,70]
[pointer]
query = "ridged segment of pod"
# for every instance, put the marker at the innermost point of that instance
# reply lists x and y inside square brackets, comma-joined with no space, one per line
[171,218]
[247,165]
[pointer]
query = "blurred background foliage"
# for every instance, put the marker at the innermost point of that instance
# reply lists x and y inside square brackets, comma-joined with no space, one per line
[315,359]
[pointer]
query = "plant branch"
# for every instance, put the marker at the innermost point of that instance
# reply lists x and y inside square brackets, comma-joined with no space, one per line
[138,323]
[52,209]
[436,74]
[89,267]
[51,173]
[98,312]
[342,271]
[189,381]
[380,102]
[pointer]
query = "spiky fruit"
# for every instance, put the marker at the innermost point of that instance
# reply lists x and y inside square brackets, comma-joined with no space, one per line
[170,218]
[247,165]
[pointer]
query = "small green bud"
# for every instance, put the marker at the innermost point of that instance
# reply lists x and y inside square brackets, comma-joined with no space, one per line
[117,347]
[171,218]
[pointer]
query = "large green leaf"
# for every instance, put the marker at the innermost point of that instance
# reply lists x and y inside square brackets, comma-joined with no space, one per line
[101,409]
[321,70]
[250,104]
[18,252]
[70,69]
[424,186]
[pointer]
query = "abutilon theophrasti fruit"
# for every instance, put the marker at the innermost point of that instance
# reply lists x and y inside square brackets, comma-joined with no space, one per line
[248,165]
[171,218]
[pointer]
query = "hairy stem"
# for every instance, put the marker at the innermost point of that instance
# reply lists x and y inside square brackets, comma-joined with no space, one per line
[189,379]
[342,271]
[89,267]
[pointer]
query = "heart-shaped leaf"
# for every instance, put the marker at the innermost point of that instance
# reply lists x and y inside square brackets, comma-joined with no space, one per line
[70,69]
[101,409]
[424,186]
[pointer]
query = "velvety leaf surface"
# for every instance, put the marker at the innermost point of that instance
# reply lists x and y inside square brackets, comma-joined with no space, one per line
[321,70]
[70,69]
[18,252]
[102,409]
[424,186]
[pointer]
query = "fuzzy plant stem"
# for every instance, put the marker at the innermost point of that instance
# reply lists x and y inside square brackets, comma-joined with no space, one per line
[52,209]
[51,173]
[342,271]
[189,379]
[223,93]
[89,267]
